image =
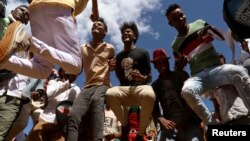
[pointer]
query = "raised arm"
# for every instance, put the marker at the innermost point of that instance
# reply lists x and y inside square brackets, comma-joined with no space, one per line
[95,13]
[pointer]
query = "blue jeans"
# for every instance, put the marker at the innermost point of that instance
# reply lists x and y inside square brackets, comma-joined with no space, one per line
[89,100]
[211,78]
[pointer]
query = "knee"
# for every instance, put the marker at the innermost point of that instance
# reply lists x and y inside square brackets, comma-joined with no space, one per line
[78,69]
[150,96]
[187,94]
[110,94]
[239,79]
[240,71]
[148,92]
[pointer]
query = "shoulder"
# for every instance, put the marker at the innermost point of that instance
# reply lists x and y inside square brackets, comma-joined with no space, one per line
[109,46]
[83,46]
[199,21]
[141,51]
[5,21]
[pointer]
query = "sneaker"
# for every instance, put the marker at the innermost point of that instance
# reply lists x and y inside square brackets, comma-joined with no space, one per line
[12,41]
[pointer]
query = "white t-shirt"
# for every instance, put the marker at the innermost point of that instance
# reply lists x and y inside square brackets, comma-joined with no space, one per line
[58,91]
[111,123]
[231,105]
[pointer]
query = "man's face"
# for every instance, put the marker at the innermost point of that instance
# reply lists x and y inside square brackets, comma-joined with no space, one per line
[98,28]
[162,65]
[128,35]
[222,61]
[21,14]
[177,18]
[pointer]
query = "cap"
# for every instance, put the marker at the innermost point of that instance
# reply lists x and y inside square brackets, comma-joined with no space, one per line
[159,53]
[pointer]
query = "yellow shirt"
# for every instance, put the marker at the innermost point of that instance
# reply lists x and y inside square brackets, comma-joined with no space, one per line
[95,64]
[77,5]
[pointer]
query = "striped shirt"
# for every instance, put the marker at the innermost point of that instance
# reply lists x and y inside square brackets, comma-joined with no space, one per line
[199,51]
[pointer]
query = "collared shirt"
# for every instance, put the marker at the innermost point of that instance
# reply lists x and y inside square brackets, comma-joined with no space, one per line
[200,52]
[95,64]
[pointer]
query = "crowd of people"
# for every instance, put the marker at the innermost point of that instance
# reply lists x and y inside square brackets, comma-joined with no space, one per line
[40,81]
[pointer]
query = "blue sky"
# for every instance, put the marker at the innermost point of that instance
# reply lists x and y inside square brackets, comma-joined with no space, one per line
[149,14]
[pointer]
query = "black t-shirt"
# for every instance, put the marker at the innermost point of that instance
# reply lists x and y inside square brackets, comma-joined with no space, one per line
[135,59]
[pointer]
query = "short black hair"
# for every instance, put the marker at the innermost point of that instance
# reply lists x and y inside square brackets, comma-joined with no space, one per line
[132,26]
[171,8]
[100,19]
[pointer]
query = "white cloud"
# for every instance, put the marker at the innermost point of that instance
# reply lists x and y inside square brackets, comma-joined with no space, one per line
[114,12]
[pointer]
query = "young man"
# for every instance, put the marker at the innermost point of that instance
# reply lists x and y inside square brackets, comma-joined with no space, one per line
[21,14]
[96,55]
[134,73]
[10,103]
[112,127]
[31,107]
[56,44]
[11,85]
[58,90]
[178,121]
[194,45]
